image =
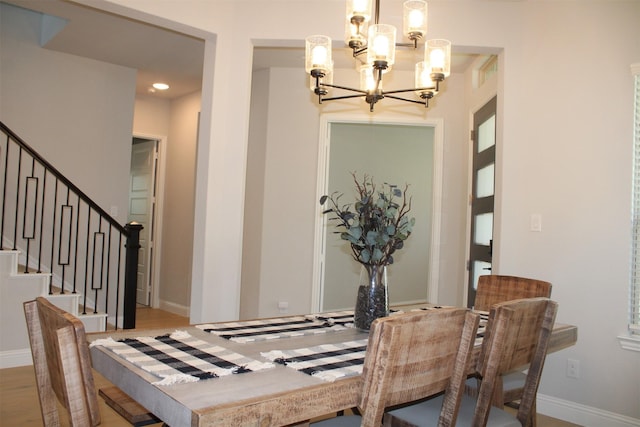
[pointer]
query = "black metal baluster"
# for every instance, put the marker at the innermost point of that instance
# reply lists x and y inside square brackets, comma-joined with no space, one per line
[86,262]
[53,234]
[43,202]
[29,211]
[97,237]
[4,191]
[75,248]
[65,229]
[106,290]
[15,223]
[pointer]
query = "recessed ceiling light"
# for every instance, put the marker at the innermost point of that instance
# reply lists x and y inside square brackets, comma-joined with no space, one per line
[161,86]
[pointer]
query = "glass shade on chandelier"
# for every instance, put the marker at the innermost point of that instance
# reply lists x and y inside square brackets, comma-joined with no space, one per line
[415,19]
[438,55]
[378,42]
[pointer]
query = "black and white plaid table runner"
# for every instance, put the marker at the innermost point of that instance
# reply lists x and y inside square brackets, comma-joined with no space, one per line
[294,326]
[180,357]
[340,360]
[267,329]
[328,361]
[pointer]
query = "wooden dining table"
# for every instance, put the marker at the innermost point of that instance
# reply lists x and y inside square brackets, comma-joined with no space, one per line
[274,396]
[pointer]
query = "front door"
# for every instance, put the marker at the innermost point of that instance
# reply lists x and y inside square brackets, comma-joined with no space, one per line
[482,196]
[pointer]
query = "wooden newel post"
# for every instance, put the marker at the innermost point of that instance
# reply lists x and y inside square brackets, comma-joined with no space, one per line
[131,274]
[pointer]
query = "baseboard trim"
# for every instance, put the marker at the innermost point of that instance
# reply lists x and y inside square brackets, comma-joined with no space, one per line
[15,358]
[174,308]
[582,415]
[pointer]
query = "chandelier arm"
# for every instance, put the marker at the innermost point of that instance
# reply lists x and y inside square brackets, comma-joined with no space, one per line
[413,45]
[404,99]
[357,52]
[344,88]
[344,97]
[422,89]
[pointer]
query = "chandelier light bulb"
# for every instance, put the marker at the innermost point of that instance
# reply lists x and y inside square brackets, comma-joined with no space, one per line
[359,9]
[382,44]
[367,78]
[318,54]
[415,19]
[438,54]
[436,58]
[424,81]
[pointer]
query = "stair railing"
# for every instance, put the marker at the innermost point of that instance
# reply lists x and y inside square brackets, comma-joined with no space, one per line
[59,230]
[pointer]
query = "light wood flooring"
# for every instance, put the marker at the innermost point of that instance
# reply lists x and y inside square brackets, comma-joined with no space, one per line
[19,404]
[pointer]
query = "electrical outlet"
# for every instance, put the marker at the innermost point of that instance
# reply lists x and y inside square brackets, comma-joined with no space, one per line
[283,306]
[573,368]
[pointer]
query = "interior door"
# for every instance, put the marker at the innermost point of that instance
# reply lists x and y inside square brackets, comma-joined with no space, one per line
[141,209]
[482,196]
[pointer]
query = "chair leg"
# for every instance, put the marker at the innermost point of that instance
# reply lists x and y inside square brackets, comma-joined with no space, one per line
[534,413]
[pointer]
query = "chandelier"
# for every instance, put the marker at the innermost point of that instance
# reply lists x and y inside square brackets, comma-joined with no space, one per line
[378,43]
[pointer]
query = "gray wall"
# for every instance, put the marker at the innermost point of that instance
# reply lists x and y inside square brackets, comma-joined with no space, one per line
[395,154]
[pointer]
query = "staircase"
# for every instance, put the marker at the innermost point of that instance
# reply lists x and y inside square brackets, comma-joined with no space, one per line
[57,242]
[16,288]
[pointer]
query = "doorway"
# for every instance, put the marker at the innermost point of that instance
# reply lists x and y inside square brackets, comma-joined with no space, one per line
[142,209]
[398,153]
[482,196]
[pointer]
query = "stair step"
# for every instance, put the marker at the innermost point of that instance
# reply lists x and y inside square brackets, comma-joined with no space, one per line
[67,302]
[94,322]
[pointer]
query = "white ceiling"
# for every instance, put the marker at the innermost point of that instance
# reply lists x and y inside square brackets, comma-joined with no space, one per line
[159,54]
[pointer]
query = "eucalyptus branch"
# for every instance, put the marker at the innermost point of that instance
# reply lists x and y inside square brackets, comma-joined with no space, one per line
[375,225]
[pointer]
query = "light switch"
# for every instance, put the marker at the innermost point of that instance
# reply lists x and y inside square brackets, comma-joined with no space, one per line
[536,222]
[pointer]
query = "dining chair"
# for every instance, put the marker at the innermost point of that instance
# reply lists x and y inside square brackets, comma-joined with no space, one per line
[62,366]
[493,289]
[517,336]
[410,356]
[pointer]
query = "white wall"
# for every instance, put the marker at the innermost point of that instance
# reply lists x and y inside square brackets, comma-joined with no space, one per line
[254,197]
[151,116]
[177,122]
[566,108]
[177,223]
[51,100]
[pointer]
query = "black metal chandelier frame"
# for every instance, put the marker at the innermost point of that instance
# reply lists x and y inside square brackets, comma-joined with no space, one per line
[377,93]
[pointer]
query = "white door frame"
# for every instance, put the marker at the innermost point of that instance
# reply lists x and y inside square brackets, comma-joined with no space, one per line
[158,215]
[322,182]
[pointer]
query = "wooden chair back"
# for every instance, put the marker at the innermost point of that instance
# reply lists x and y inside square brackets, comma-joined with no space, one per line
[412,355]
[517,336]
[62,364]
[493,289]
